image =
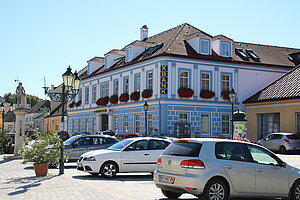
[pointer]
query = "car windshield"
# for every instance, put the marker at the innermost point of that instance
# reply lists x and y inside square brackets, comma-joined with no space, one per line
[293,137]
[120,145]
[71,140]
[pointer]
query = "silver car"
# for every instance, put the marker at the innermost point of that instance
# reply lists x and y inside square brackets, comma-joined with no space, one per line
[80,144]
[216,169]
[281,142]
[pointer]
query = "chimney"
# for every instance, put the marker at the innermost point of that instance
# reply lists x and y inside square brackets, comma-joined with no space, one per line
[144,32]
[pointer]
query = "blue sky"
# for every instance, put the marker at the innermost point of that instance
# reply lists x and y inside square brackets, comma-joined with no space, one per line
[41,38]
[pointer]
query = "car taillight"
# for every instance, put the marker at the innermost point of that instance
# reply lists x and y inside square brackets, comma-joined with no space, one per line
[158,161]
[287,141]
[194,164]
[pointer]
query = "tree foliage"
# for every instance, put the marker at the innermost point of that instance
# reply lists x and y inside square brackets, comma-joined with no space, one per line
[12,98]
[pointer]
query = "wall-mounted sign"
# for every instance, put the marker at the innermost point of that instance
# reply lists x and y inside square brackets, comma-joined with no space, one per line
[100,111]
[163,79]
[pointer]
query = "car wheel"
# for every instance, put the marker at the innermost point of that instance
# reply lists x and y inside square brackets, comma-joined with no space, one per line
[282,150]
[295,191]
[109,169]
[215,190]
[171,195]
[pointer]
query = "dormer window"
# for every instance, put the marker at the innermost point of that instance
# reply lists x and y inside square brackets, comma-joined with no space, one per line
[107,61]
[129,54]
[225,49]
[252,55]
[204,46]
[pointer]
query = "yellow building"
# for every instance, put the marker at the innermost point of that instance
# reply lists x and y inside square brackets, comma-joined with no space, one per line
[275,108]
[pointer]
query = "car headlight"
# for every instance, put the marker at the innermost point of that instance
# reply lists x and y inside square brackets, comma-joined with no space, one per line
[90,159]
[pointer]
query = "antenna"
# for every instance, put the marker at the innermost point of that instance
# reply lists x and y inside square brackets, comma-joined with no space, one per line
[17,80]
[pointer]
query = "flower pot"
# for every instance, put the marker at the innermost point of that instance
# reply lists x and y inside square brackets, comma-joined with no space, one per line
[41,169]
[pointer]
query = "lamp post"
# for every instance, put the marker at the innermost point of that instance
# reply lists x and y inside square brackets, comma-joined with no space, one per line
[146,106]
[232,97]
[70,88]
[4,108]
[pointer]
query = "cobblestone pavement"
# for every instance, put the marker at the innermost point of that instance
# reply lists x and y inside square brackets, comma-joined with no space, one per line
[18,181]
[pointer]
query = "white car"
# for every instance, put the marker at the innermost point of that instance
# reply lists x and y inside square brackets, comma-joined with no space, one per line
[130,155]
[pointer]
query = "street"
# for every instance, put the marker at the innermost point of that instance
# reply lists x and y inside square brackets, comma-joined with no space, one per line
[18,181]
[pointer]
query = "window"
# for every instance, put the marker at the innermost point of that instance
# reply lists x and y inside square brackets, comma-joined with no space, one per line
[150,123]
[225,82]
[87,95]
[116,87]
[232,151]
[102,93]
[129,55]
[261,156]
[126,85]
[184,79]
[126,123]
[94,124]
[116,125]
[94,95]
[84,141]
[79,125]
[80,95]
[86,125]
[183,117]
[137,123]
[298,122]
[137,82]
[73,125]
[205,124]
[106,89]
[150,81]
[252,55]
[225,124]
[225,49]
[204,46]
[107,61]
[205,81]
[268,123]
[186,149]
[158,144]
[138,146]
[241,54]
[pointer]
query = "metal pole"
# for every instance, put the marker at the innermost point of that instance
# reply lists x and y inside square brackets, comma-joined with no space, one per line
[2,141]
[61,162]
[232,127]
[146,124]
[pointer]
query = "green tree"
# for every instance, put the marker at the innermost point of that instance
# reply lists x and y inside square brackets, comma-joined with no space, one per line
[12,98]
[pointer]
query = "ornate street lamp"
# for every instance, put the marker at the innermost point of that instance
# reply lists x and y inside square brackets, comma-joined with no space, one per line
[4,108]
[70,88]
[146,107]
[232,97]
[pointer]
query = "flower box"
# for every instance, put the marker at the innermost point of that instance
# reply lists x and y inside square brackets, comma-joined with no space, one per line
[185,92]
[124,97]
[114,99]
[207,94]
[225,94]
[147,93]
[135,96]
[102,101]
[78,103]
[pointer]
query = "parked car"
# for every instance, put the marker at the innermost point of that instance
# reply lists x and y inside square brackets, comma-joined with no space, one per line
[219,168]
[281,142]
[64,135]
[126,136]
[80,144]
[130,155]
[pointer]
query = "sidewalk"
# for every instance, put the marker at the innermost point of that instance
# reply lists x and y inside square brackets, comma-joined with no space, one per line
[18,181]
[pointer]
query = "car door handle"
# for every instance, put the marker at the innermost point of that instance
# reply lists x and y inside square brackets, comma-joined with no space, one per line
[146,154]
[258,170]
[228,166]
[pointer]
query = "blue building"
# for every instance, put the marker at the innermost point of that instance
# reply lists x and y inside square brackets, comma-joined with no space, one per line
[184,74]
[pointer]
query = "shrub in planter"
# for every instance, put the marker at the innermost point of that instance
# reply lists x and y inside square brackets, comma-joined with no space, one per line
[42,150]
[207,94]
[78,103]
[147,93]
[185,92]
[114,99]
[102,101]
[124,97]
[225,94]
[71,105]
[135,96]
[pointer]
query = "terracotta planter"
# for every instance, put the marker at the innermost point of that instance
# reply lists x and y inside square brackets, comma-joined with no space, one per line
[41,169]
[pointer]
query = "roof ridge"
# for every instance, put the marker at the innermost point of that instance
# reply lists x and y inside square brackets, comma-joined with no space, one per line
[266,45]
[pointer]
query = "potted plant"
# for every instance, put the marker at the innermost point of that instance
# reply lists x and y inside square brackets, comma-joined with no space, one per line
[114,99]
[41,151]
[135,96]
[225,94]
[207,94]
[185,92]
[102,101]
[78,103]
[124,97]
[147,93]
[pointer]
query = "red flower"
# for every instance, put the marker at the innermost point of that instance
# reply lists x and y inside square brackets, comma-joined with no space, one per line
[147,93]
[225,94]
[71,105]
[78,103]
[185,92]
[124,97]
[114,99]
[102,101]
[207,94]
[135,96]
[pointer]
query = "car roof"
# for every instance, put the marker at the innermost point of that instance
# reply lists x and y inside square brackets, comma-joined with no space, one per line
[283,133]
[95,136]
[200,140]
[146,138]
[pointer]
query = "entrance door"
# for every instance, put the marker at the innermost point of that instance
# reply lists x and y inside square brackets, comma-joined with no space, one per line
[104,122]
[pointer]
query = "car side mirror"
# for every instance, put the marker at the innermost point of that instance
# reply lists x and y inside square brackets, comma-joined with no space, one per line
[282,164]
[129,148]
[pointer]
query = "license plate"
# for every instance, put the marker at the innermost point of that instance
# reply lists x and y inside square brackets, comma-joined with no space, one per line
[79,164]
[166,179]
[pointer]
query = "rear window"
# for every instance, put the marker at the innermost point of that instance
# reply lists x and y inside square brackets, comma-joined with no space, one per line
[183,149]
[293,137]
